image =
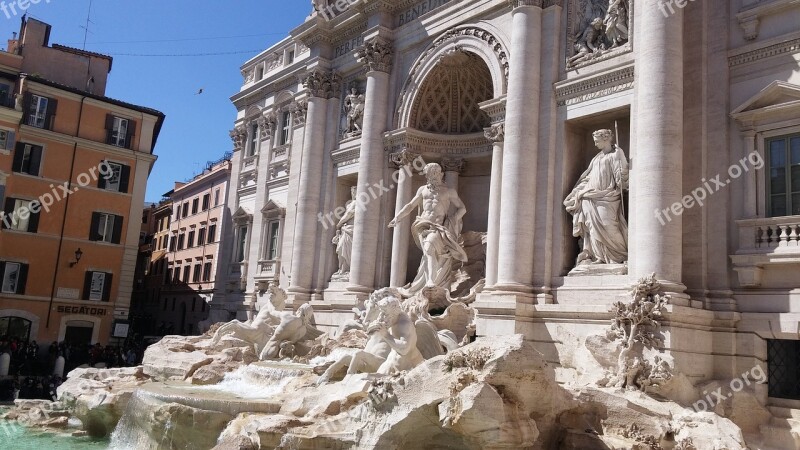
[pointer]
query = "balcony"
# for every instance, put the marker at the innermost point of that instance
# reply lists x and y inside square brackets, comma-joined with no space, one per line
[764,242]
[268,270]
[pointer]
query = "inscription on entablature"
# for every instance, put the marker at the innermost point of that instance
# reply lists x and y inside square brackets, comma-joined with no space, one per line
[420,8]
[348,46]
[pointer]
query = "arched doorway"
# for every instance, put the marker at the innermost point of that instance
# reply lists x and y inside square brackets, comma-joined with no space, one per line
[15,328]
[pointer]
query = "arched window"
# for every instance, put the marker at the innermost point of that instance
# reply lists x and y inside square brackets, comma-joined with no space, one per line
[15,327]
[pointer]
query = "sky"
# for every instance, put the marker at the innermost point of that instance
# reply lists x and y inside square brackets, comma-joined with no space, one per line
[197,125]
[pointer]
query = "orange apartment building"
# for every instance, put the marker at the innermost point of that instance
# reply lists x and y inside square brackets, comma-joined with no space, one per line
[191,261]
[73,171]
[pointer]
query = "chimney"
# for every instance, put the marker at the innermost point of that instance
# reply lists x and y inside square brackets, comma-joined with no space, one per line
[13,44]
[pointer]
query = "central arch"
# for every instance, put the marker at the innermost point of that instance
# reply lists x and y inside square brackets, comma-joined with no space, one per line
[484,50]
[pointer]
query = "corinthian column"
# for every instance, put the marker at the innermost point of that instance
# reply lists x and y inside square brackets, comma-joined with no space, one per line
[515,261]
[321,87]
[657,163]
[496,134]
[377,55]
[402,232]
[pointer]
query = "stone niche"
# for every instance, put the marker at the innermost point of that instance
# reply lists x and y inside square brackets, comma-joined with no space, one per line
[579,151]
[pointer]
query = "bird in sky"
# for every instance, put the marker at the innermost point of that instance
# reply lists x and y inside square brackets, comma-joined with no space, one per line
[200,91]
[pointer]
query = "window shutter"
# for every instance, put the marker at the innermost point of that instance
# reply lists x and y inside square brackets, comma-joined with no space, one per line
[101,179]
[23,279]
[2,193]
[52,106]
[93,234]
[107,287]
[9,212]
[2,272]
[27,100]
[109,127]
[131,133]
[33,223]
[87,285]
[19,152]
[117,230]
[36,160]
[10,140]
[124,179]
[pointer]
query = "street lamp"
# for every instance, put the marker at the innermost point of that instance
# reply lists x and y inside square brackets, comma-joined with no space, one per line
[78,256]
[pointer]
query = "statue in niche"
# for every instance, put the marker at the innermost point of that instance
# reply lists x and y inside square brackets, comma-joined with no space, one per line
[354,111]
[437,231]
[597,207]
[344,238]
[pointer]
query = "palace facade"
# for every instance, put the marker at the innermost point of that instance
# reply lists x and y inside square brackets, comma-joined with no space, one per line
[703,98]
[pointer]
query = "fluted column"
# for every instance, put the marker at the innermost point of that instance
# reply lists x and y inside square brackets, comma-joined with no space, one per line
[657,163]
[321,86]
[515,261]
[377,55]
[452,168]
[402,232]
[496,134]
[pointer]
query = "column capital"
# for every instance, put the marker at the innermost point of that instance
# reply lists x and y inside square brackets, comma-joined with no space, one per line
[520,3]
[238,136]
[453,164]
[496,133]
[376,54]
[321,84]
[299,110]
[403,158]
[267,123]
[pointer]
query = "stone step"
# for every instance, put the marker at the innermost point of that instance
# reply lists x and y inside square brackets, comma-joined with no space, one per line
[780,436]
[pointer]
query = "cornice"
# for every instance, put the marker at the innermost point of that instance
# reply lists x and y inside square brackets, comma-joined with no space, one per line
[430,143]
[86,144]
[599,85]
[781,48]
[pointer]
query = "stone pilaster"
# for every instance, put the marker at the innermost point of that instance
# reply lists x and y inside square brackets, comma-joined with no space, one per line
[321,86]
[518,191]
[402,232]
[496,134]
[655,241]
[377,56]
[452,168]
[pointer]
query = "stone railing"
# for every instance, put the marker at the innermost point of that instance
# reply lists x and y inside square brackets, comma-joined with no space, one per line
[766,235]
[249,163]
[268,269]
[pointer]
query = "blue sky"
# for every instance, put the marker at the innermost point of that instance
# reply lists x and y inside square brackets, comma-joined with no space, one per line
[196,128]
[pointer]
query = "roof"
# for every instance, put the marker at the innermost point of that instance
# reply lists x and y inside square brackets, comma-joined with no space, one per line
[78,51]
[159,115]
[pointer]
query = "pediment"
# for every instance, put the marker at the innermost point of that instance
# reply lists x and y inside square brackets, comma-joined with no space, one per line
[776,97]
[273,208]
[242,214]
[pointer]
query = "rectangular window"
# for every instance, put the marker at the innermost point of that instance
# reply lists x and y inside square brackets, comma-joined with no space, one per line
[177,274]
[14,277]
[180,241]
[216,198]
[168,278]
[190,241]
[286,127]
[241,244]
[41,111]
[186,209]
[116,177]
[783,154]
[289,57]
[6,140]
[274,236]
[212,234]
[783,367]
[252,146]
[19,217]
[207,271]
[201,237]
[27,159]
[186,269]
[106,228]
[197,271]
[172,242]
[206,201]
[195,205]
[97,286]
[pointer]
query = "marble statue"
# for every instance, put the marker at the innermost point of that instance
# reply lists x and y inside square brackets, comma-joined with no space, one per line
[344,238]
[354,109]
[436,230]
[590,43]
[294,328]
[596,205]
[259,330]
[616,23]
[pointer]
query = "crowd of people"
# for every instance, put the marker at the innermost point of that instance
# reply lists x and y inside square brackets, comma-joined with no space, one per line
[31,372]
